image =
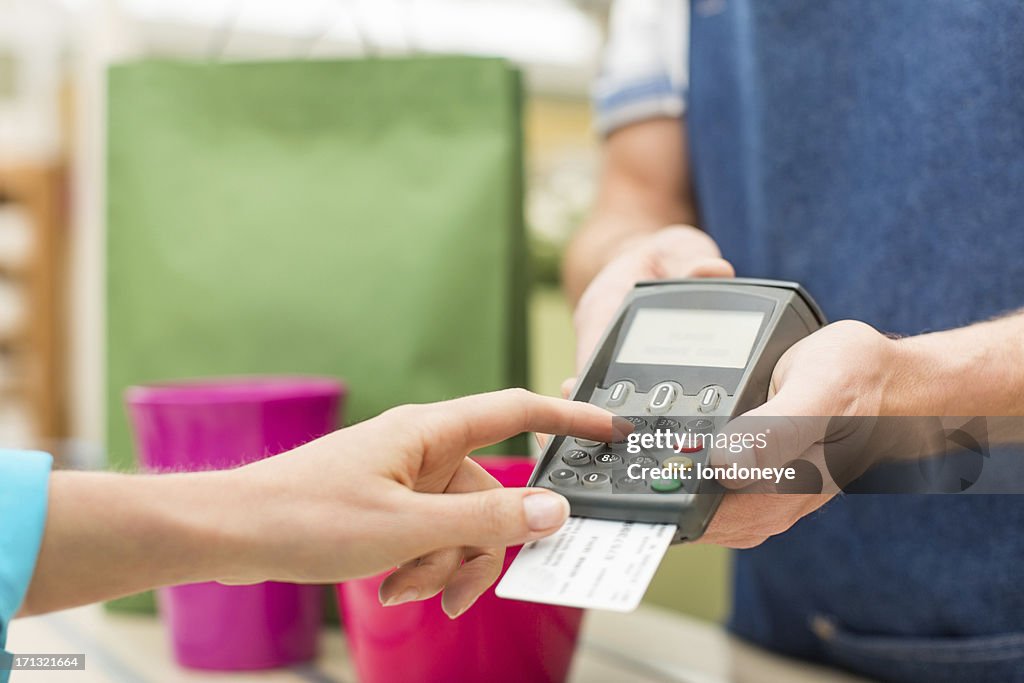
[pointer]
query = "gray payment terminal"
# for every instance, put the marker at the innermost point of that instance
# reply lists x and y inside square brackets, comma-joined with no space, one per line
[685,356]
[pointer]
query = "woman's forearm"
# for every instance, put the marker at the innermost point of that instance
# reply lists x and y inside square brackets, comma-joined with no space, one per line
[110,535]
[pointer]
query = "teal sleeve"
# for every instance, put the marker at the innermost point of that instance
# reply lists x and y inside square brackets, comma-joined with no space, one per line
[24,479]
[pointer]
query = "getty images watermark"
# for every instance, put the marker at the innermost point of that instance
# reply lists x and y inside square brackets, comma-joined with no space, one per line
[809,455]
[693,442]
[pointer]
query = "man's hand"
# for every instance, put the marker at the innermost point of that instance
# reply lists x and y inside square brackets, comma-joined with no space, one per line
[678,251]
[846,369]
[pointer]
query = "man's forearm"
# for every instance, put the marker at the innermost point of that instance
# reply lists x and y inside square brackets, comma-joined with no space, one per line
[606,235]
[109,535]
[644,187]
[973,370]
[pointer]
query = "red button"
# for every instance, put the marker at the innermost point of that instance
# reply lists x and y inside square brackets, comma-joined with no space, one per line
[690,444]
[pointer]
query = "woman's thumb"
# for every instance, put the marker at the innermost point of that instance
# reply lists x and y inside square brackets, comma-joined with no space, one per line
[494,517]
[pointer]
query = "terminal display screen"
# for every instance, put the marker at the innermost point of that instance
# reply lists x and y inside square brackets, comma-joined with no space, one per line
[701,338]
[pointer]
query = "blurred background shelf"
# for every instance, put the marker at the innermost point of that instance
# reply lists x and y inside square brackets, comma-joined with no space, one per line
[32,401]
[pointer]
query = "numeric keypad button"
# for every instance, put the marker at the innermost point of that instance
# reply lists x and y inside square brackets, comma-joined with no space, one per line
[701,425]
[576,458]
[607,459]
[638,422]
[628,483]
[563,477]
[643,461]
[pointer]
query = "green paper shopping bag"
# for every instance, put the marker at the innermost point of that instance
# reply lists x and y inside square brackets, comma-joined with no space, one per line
[358,219]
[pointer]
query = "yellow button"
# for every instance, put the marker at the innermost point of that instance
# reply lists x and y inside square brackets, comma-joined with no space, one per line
[680,461]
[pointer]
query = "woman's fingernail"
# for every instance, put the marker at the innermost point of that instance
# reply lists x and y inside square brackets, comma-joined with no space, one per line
[408,595]
[545,510]
[621,427]
[458,611]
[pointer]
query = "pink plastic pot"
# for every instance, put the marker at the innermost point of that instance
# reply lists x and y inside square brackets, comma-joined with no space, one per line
[220,424]
[496,641]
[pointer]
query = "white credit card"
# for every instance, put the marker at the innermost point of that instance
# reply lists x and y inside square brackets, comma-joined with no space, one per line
[591,563]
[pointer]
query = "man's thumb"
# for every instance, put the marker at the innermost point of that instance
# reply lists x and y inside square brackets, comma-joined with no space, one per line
[495,516]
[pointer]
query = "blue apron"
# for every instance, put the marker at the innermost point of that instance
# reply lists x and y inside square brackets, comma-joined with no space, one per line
[874,151]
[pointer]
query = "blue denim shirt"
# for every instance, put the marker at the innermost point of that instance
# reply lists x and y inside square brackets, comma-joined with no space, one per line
[874,151]
[23,487]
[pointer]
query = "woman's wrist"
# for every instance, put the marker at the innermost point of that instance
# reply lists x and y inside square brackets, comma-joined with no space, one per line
[192,526]
[222,526]
[182,528]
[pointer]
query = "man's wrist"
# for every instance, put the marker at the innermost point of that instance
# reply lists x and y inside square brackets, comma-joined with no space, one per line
[925,377]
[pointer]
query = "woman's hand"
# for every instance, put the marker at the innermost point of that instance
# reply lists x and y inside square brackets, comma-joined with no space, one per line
[365,499]
[394,490]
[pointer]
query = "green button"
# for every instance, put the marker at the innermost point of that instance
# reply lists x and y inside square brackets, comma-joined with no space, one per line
[666,485]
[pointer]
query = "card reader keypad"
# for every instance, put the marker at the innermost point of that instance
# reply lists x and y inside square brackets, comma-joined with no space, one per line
[666,407]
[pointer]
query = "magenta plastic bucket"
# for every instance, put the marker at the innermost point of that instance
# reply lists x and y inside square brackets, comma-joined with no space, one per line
[220,424]
[495,641]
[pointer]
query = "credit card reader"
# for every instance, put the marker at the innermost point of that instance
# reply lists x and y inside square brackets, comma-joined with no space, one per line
[682,356]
